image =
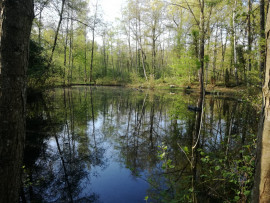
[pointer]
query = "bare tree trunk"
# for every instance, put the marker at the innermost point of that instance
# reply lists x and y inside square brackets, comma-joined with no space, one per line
[223,48]
[154,37]
[93,43]
[65,51]
[39,24]
[215,58]
[92,55]
[142,53]
[262,37]
[104,55]
[129,49]
[70,58]
[261,190]
[234,44]
[136,45]
[202,37]
[143,64]
[56,33]
[15,22]
[249,34]
[85,55]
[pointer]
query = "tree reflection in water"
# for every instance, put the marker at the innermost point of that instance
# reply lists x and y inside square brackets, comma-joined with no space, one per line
[74,135]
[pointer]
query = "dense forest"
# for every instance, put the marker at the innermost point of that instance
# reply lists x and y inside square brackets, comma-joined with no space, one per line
[154,42]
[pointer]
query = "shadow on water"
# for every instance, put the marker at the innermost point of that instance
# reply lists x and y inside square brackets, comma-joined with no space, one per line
[118,145]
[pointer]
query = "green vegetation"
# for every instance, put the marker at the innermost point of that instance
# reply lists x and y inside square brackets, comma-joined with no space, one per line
[154,43]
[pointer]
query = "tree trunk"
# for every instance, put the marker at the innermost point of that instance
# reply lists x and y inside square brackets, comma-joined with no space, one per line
[104,55]
[56,33]
[142,53]
[262,37]
[39,24]
[249,34]
[261,190]
[85,55]
[93,43]
[15,22]
[65,51]
[234,45]
[213,79]
[247,75]
[202,36]
[70,58]
[154,38]
[92,55]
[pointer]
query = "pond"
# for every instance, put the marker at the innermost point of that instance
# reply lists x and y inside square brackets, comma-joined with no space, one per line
[109,144]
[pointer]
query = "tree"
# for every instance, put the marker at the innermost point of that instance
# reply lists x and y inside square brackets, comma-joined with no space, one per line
[234,42]
[201,25]
[261,191]
[16,21]
[202,41]
[262,36]
[57,32]
[95,21]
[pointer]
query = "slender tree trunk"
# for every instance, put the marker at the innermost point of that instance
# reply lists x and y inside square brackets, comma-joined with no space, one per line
[143,64]
[136,34]
[249,34]
[154,47]
[129,48]
[112,59]
[224,46]
[39,25]
[262,37]
[142,53]
[93,43]
[202,37]
[70,58]
[15,22]
[56,33]
[234,44]
[65,51]
[104,55]
[215,57]
[92,55]
[85,55]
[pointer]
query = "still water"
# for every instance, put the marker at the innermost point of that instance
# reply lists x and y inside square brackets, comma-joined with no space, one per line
[118,145]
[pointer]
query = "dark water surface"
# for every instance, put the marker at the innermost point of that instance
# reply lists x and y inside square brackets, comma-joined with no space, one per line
[121,145]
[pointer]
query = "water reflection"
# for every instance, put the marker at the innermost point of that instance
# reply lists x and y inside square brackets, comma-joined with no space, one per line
[120,145]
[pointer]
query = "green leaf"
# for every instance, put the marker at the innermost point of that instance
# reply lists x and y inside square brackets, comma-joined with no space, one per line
[171,166]
[236,198]
[246,193]
[146,198]
[186,149]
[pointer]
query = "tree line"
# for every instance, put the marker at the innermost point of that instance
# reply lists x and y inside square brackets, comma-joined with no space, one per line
[176,41]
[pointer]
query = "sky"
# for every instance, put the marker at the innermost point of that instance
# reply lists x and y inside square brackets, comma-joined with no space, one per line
[111,8]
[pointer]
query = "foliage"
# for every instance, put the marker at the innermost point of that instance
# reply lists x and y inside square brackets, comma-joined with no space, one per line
[234,174]
[37,71]
[151,39]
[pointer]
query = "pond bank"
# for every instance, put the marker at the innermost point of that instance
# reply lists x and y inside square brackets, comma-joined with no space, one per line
[250,94]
